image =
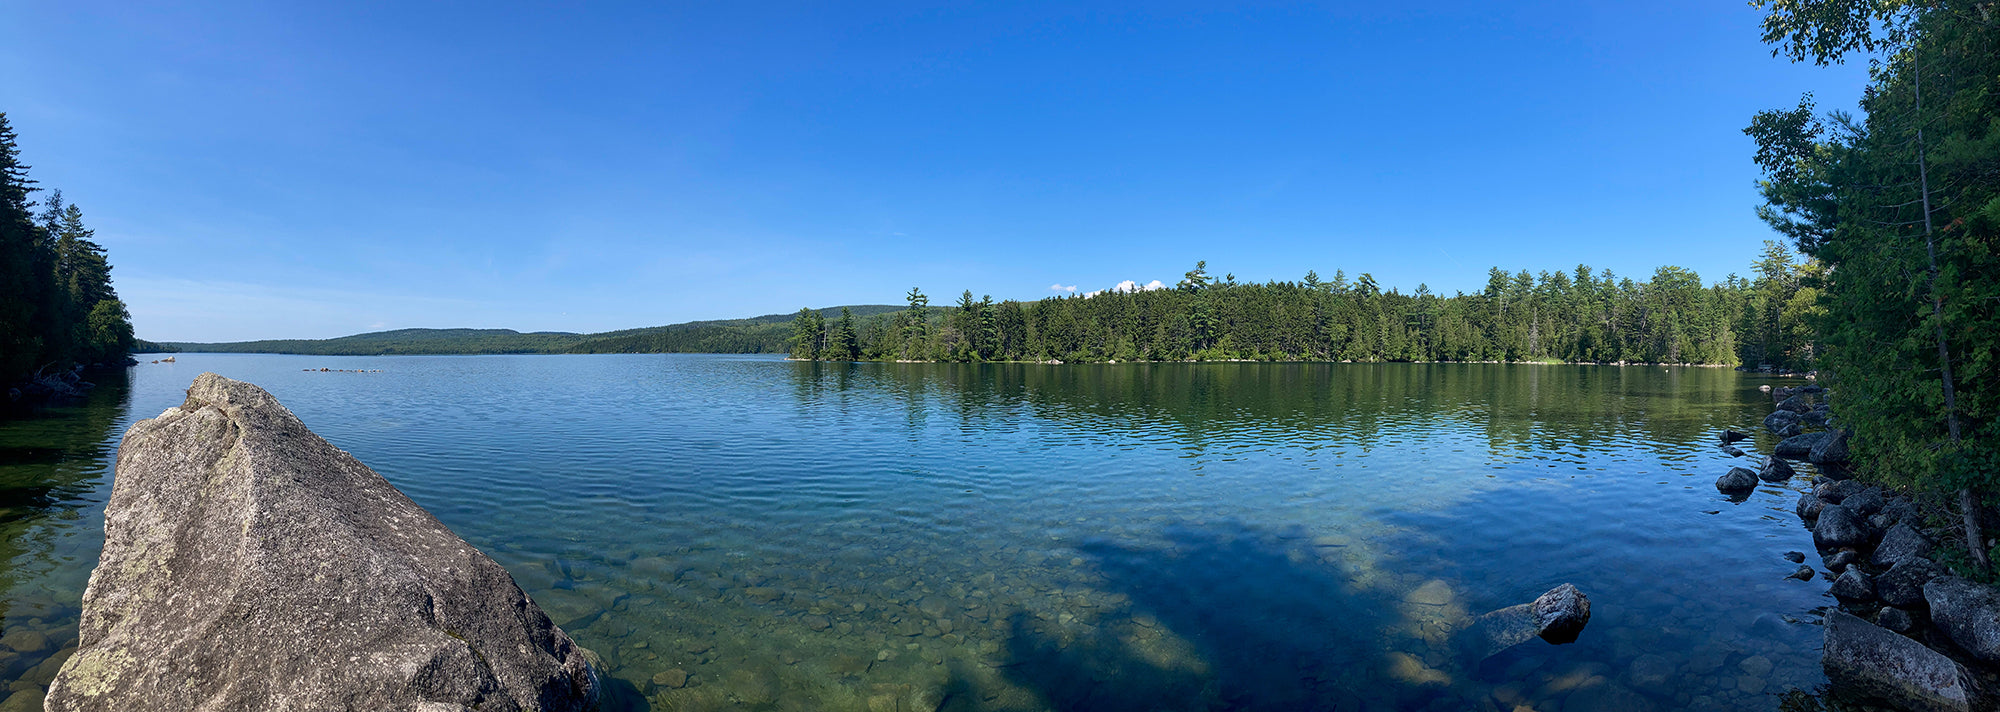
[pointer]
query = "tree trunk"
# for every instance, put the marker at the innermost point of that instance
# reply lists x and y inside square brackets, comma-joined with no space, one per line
[1968,500]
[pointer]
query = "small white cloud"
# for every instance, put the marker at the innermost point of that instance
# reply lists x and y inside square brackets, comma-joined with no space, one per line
[1128,287]
[1059,287]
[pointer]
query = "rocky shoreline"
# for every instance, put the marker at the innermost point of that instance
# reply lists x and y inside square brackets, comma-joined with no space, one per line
[1905,629]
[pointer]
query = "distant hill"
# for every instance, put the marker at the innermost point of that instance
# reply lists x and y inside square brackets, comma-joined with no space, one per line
[758,334]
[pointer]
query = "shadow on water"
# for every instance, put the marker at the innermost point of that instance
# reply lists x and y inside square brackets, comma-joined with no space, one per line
[55,459]
[1221,616]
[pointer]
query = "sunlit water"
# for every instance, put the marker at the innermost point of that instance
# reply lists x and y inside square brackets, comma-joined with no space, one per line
[749,533]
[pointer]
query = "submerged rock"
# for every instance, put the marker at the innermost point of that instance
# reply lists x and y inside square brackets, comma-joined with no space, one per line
[249,564]
[1969,613]
[1557,617]
[1731,436]
[1879,663]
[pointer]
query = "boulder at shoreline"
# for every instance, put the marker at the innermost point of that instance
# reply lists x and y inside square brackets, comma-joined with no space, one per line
[248,564]
[1883,664]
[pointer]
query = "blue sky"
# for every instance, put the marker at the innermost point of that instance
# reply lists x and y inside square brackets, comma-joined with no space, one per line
[277,170]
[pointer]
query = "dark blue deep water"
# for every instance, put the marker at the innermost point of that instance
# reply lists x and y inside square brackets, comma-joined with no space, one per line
[750,533]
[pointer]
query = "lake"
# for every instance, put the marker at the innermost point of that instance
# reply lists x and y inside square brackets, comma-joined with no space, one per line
[743,532]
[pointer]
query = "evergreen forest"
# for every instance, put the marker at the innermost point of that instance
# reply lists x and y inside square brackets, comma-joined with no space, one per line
[1900,205]
[57,306]
[1578,316]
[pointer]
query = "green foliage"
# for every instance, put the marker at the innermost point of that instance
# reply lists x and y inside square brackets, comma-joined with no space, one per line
[1901,209]
[1551,317]
[57,305]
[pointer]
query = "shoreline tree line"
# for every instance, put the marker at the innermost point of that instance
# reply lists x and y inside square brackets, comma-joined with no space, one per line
[1580,315]
[1901,205]
[57,306]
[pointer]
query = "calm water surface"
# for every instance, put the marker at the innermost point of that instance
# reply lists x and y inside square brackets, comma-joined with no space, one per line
[749,533]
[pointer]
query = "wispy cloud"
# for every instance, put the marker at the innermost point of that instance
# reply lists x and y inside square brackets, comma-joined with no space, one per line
[1128,287]
[1059,287]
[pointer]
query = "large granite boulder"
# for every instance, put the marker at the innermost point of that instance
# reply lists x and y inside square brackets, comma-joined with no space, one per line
[1969,613]
[1862,656]
[1800,404]
[250,565]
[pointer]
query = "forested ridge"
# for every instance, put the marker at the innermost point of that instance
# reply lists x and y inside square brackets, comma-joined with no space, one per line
[760,334]
[57,306]
[1578,315]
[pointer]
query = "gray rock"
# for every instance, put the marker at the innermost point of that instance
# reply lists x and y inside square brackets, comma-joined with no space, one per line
[1816,418]
[1896,619]
[1838,527]
[1774,470]
[1838,491]
[1831,448]
[1732,451]
[1902,585]
[1782,423]
[1866,502]
[1556,616]
[1738,479]
[1809,506]
[1900,542]
[1853,586]
[1798,447]
[1862,656]
[1796,557]
[1652,673]
[1561,613]
[1804,573]
[1731,436]
[1840,560]
[1800,404]
[1969,613]
[249,564]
